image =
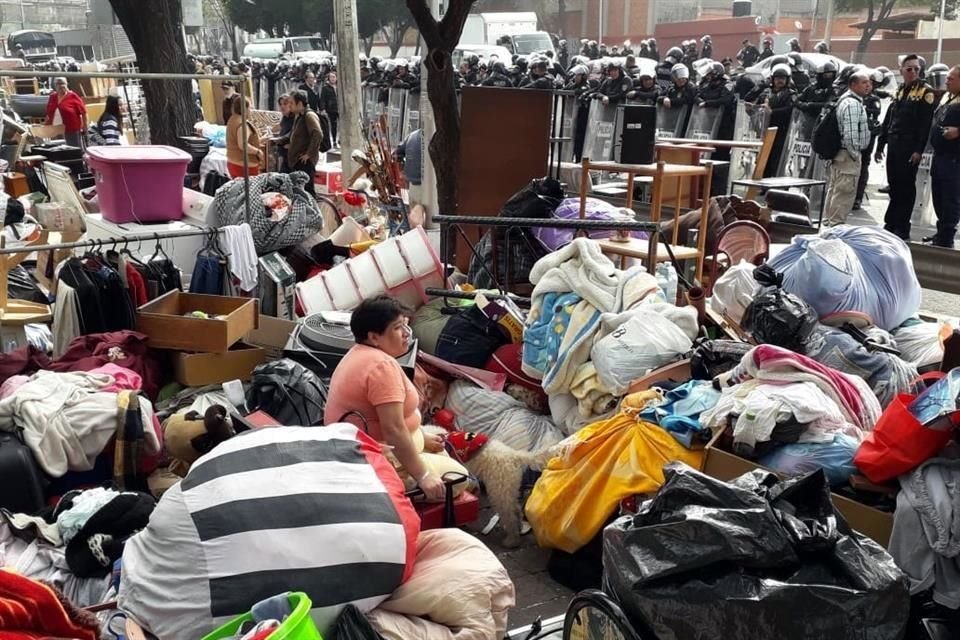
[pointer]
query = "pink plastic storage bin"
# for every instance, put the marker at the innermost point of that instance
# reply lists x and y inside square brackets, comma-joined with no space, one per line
[139,183]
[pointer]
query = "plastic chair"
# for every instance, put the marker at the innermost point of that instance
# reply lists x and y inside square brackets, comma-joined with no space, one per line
[740,240]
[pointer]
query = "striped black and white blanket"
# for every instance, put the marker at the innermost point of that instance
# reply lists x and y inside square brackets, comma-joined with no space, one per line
[318,510]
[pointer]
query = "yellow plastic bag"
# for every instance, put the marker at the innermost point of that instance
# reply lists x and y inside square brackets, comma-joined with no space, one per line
[600,465]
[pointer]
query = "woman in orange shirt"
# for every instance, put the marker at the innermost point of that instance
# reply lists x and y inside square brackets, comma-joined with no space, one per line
[242,141]
[370,381]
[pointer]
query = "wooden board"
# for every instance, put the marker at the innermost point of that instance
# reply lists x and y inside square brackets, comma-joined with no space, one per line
[504,144]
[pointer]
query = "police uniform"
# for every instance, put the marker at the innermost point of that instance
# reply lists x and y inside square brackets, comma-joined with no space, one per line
[780,102]
[707,51]
[497,79]
[664,74]
[945,171]
[905,131]
[616,90]
[766,53]
[814,97]
[639,95]
[680,96]
[871,104]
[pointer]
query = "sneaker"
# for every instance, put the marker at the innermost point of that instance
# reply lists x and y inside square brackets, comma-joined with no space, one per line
[884,189]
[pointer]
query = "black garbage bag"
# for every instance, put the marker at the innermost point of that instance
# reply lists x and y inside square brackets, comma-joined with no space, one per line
[752,559]
[353,625]
[21,285]
[289,392]
[713,357]
[777,317]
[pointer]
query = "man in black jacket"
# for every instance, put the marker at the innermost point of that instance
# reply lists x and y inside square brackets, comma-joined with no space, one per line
[310,88]
[906,128]
[328,103]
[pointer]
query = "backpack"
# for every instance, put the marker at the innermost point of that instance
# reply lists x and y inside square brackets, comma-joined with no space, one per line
[827,140]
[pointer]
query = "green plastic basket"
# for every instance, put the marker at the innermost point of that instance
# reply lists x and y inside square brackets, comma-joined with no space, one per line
[298,625]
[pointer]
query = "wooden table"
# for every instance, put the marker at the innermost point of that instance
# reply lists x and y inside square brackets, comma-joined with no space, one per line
[660,172]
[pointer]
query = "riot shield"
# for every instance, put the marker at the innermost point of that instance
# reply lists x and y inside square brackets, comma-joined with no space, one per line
[750,125]
[923,213]
[601,130]
[411,116]
[371,108]
[672,123]
[396,103]
[565,110]
[797,158]
[704,122]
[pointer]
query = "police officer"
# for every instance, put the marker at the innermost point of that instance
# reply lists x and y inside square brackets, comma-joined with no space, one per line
[936,76]
[794,45]
[778,98]
[689,54]
[645,90]
[498,77]
[799,75]
[615,88]
[905,131]
[665,68]
[682,92]
[713,92]
[945,170]
[645,50]
[472,74]
[814,97]
[822,47]
[654,53]
[538,78]
[627,48]
[767,52]
[871,104]
[563,55]
[706,47]
[748,54]
[580,82]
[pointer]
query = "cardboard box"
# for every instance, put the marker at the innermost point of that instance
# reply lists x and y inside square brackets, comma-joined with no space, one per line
[199,369]
[272,336]
[873,523]
[330,178]
[277,282]
[163,320]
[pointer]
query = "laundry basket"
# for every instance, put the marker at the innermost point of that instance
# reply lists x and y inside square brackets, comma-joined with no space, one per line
[298,626]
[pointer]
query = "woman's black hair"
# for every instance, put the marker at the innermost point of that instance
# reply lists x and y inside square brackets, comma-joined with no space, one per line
[375,315]
[112,108]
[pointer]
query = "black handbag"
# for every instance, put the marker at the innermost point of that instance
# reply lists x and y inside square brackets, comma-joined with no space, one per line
[21,480]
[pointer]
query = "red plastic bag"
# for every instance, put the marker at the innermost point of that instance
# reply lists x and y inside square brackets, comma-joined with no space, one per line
[898,443]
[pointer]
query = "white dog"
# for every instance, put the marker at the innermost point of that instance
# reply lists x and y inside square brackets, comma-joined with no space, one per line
[500,469]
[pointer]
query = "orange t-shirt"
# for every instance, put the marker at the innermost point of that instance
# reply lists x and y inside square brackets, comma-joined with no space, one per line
[365,379]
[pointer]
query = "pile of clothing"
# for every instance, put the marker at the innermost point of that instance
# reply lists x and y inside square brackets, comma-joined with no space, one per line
[584,307]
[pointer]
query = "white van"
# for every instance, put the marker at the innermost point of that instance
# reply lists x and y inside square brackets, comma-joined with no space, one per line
[273,48]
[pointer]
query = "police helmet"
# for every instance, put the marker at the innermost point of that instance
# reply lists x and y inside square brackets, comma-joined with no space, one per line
[793,43]
[706,39]
[780,71]
[937,74]
[680,72]
[644,74]
[578,70]
[675,53]
[779,59]
[828,67]
[499,67]
[767,40]
[796,60]
[822,47]
[652,42]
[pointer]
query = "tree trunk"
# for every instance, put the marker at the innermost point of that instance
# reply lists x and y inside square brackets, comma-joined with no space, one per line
[397,32]
[441,38]
[445,145]
[562,18]
[864,44]
[154,31]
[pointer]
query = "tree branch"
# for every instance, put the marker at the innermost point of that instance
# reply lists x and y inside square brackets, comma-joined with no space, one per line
[426,23]
[453,21]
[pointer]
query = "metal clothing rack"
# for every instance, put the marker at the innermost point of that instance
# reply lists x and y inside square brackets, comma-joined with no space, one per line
[21,312]
[517,226]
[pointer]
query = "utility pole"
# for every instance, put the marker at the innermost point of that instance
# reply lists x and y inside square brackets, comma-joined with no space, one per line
[828,27]
[943,10]
[427,193]
[348,95]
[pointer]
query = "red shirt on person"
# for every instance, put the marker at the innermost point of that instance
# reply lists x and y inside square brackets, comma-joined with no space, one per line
[72,109]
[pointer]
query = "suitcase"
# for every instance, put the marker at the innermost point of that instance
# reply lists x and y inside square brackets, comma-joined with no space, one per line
[21,481]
